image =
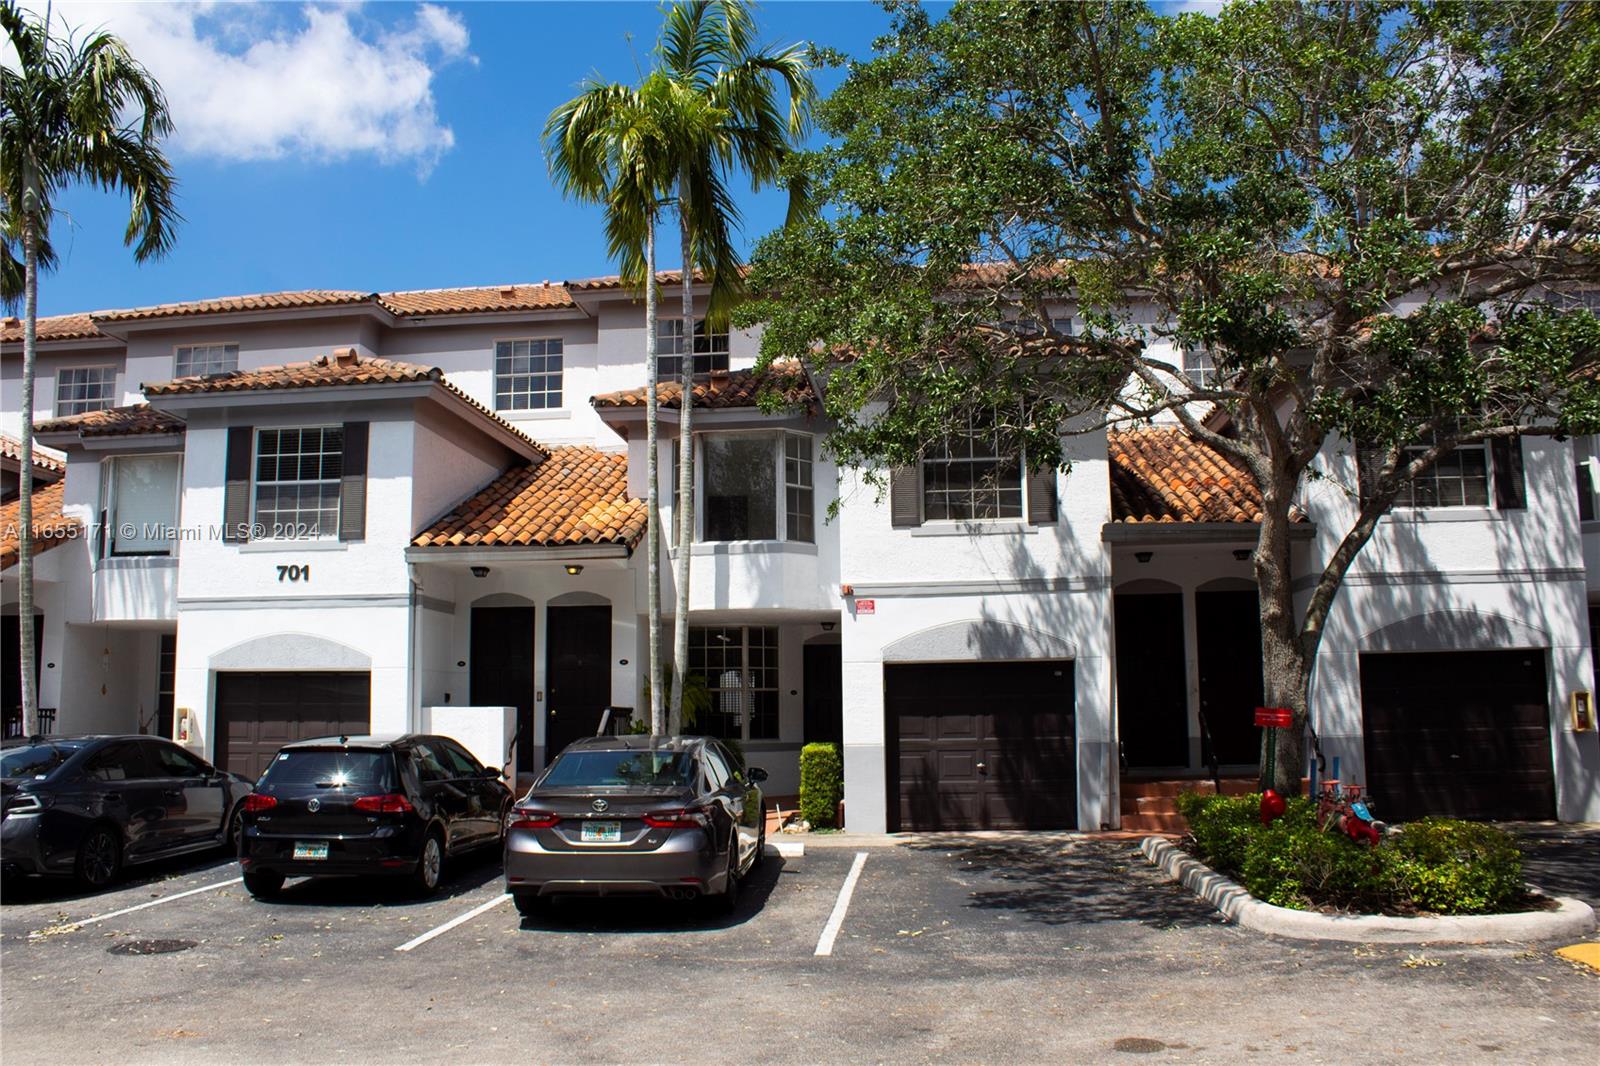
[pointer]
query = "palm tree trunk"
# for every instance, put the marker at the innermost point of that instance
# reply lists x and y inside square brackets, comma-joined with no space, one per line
[658,721]
[30,343]
[685,512]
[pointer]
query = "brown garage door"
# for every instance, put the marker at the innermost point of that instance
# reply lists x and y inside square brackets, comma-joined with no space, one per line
[259,713]
[1458,734]
[981,746]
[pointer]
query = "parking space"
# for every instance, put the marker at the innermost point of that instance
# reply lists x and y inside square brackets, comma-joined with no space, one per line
[1023,948]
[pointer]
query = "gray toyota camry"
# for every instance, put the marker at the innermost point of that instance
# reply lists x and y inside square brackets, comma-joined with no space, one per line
[679,817]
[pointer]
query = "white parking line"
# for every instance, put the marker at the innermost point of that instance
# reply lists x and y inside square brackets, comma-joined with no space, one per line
[157,902]
[460,919]
[841,905]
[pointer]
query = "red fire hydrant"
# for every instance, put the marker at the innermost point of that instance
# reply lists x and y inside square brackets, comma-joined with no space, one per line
[1272,806]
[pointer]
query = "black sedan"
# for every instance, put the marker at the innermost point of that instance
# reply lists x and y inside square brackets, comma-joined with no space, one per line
[353,806]
[679,817]
[89,806]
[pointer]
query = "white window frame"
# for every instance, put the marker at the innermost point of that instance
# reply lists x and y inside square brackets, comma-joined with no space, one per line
[746,709]
[560,392]
[108,504]
[1199,365]
[777,440]
[1401,503]
[1586,475]
[1022,493]
[226,346]
[710,354]
[276,533]
[110,400]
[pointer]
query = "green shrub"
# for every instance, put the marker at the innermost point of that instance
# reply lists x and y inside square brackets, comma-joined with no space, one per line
[821,784]
[1292,863]
[1453,867]
[1221,826]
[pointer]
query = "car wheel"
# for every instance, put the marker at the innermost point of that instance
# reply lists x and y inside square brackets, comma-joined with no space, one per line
[727,900]
[99,857]
[263,884]
[530,904]
[761,841]
[235,829]
[430,866]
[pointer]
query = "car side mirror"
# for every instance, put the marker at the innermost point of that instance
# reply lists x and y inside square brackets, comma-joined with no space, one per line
[756,774]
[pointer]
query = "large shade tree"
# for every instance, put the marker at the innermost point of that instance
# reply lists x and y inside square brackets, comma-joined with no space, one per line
[1371,215]
[73,110]
[735,107]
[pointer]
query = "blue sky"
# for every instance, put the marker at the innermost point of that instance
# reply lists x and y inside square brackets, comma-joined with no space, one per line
[375,147]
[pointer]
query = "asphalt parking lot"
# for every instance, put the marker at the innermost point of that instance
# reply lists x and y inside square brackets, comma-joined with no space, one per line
[1022,949]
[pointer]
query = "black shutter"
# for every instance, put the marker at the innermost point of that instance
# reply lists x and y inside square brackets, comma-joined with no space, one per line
[353,486]
[236,496]
[905,497]
[1510,488]
[1369,464]
[1042,497]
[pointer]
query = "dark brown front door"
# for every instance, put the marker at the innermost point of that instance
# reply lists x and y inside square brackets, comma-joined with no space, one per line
[502,669]
[1227,629]
[1152,685]
[1458,734]
[258,713]
[578,662]
[981,746]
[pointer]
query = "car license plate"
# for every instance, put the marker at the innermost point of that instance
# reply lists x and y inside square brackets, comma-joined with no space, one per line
[314,849]
[601,833]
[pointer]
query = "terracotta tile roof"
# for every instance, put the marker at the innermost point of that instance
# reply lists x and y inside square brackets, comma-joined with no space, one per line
[265,301]
[1165,475]
[132,420]
[51,328]
[343,367]
[476,300]
[577,496]
[50,526]
[737,388]
[45,459]
[614,281]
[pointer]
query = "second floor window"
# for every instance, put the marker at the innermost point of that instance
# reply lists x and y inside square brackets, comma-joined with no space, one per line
[967,479]
[141,504]
[198,360]
[1588,457]
[1459,478]
[527,375]
[297,482]
[1201,368]
[755,486]
[85,388]
[710,350]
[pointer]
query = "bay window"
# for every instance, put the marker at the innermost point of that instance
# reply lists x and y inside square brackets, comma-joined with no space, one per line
[141,512]
[755,486]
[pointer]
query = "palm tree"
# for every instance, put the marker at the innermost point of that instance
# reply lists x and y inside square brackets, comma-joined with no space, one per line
[607,145]
[72,110]
[726,108]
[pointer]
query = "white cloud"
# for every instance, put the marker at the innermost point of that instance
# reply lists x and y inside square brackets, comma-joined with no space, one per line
[248,82]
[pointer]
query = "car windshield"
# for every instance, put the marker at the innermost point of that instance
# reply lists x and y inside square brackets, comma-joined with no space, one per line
[330,768]
[587,769]
[35,760]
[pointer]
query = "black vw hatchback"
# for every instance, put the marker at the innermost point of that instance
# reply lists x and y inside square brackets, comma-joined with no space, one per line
[354,806]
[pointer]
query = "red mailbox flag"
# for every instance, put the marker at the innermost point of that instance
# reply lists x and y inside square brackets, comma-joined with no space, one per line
[1274,717]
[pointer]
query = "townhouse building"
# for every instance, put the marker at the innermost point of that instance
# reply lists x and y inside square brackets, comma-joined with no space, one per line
[317,512]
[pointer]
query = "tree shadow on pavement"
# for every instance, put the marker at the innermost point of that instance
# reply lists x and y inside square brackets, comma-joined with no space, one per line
[1562,860]
[635,914]
[1062,881]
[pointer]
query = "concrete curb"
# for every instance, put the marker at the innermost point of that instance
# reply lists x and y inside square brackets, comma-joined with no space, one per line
[1572,918]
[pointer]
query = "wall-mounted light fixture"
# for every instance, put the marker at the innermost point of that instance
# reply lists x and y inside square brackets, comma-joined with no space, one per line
[827,627]
[1241,554]
[1144,557]
[480,571]
[574,569]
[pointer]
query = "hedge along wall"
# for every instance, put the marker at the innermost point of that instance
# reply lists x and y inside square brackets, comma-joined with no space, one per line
[821,784]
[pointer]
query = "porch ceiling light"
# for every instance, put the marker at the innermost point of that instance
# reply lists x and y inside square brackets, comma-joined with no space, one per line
[480,571]
[1144,557]
[827,627]
[574,569]
[1241,554]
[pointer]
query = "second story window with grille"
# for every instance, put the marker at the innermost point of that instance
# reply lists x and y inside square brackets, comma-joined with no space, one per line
[967,478]
[1458,478]
[528,375]
[297,482]
[198,360]
[1587,453]
[85,388]
[710,349]
[1200,366]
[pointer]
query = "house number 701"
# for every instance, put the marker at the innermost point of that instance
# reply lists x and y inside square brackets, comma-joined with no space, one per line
[295,572]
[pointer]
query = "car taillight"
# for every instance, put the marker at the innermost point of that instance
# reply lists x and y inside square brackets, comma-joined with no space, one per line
[686,818]
[526,819]
[26,803]
[388,803]
[257,802]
